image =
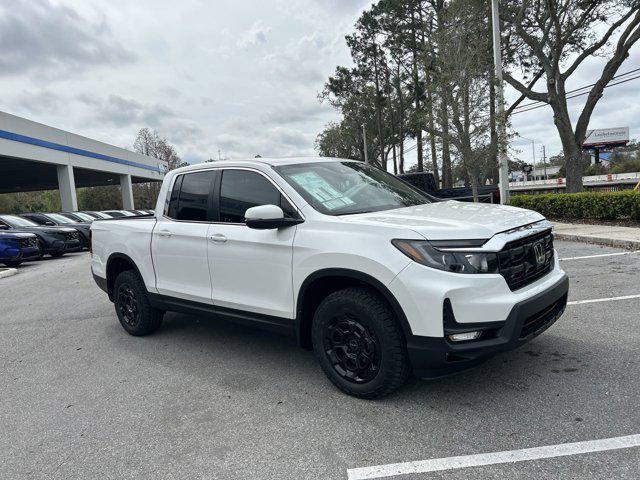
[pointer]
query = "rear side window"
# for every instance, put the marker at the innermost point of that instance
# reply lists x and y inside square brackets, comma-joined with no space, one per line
[189,199]
[172,206]
[242,189]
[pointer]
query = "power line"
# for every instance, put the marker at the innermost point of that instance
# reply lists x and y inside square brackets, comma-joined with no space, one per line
[543,104]
[520,107]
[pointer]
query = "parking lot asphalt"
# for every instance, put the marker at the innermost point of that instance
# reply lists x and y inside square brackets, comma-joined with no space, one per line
[79,398]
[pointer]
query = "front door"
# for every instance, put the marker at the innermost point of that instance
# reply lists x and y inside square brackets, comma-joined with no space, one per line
[251,269]
[179,241]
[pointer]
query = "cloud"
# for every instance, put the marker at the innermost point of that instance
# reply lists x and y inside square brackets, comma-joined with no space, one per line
[256,35]
[39,36]
[41,102]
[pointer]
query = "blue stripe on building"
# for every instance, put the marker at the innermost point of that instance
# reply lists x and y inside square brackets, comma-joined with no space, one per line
[16,137]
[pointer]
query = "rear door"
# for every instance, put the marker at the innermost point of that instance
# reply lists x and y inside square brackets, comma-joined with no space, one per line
[179,239]
[251,269]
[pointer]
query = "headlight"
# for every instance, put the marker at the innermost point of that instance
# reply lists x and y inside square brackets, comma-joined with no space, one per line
[423,252]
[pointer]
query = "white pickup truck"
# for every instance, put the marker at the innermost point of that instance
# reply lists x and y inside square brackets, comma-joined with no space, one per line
[377,278]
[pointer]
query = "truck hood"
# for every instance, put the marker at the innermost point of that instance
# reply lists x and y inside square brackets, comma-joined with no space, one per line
[451,220]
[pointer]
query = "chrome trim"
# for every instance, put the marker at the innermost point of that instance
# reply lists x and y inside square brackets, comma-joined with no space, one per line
[499,240]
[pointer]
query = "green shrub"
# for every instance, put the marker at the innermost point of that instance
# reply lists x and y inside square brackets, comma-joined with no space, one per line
[589,205]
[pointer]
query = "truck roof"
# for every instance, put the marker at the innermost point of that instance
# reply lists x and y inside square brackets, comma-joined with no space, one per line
[260,161]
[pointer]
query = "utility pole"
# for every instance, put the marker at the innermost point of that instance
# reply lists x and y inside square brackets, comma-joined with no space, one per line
[500,120]
[544,162]
[364,138]
[219,156]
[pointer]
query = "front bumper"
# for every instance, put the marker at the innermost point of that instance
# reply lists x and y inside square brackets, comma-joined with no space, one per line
[433,357]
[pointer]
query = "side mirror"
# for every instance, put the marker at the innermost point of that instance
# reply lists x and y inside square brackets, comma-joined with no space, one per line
[4,227]
[266,217]
[49,223]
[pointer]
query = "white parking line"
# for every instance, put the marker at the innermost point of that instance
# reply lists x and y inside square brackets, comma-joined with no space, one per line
[599,255]
[597,300]
[465,461]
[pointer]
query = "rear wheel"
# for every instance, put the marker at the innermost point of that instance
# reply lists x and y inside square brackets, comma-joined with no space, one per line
[134,311]
[359,343]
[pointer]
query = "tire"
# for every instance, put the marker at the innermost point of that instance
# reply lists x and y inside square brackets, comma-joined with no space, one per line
[41,245]
[131,301]
[13,264]
[56,254]
[359,343]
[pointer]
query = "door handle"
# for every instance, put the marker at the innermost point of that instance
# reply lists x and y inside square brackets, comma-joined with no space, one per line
[218,238]
[164,233]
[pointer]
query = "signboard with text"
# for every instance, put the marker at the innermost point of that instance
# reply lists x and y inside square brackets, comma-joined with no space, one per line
[606,137]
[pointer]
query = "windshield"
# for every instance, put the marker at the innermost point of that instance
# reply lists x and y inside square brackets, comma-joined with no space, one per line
[83,216]
[14,221]
[60,218]
[341,188]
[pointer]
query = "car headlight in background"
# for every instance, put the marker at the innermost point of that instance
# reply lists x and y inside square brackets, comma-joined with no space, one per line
[423,252]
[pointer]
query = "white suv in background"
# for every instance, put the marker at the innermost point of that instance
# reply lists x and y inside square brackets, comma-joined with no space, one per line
[378,278]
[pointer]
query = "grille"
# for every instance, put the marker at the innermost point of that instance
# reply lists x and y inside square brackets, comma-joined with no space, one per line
[519,263]
[72,236]
[29,242]
[540,320]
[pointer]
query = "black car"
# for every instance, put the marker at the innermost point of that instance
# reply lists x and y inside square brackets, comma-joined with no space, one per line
[55,241]
[78,216]
[97,215]
[56,219]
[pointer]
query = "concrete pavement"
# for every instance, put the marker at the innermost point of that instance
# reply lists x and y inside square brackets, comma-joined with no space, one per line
[612,236]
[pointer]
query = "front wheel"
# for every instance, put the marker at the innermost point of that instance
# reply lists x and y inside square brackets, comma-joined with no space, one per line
[57,254]
[13,264]
[134,311]
[359,343]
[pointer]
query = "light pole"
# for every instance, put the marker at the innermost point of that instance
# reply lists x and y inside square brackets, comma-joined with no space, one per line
[533,151]
[364,139]
[500,119]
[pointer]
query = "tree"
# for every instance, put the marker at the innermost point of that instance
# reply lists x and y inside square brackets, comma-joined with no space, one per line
[337,141]
[555,37]
[150,143]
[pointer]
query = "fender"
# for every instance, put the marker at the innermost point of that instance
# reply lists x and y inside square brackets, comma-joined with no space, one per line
[119,256]
[352,275]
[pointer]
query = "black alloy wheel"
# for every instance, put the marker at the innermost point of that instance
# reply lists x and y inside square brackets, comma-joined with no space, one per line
[359,343]
[127,305]
[352,348]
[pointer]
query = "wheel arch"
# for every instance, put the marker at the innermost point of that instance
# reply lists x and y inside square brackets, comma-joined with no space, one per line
[323,282]
[116,264]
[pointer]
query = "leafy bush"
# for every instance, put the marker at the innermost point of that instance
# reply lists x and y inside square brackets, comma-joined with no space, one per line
[589,205]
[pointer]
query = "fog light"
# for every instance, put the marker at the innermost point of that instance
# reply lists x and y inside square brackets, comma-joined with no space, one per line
[462,337]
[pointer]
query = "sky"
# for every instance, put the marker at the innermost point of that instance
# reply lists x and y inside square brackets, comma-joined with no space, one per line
[215,77]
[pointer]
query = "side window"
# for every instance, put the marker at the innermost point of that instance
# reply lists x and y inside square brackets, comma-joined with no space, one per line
[171,210]
[189,199]
[242,189]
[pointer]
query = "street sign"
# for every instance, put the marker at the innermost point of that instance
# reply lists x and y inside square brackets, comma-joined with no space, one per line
[606,137]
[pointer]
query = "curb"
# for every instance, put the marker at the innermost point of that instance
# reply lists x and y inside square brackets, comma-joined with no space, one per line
[7,272]
[609,242]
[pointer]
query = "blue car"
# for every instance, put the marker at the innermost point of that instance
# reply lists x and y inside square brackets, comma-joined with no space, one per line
[16,248]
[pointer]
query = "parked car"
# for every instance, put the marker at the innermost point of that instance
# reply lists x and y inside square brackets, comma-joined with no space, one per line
[55,241]
[426,182]
[58,219]
[99,215]
[378,278]
[78,216]
[16,248]
[119,213]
